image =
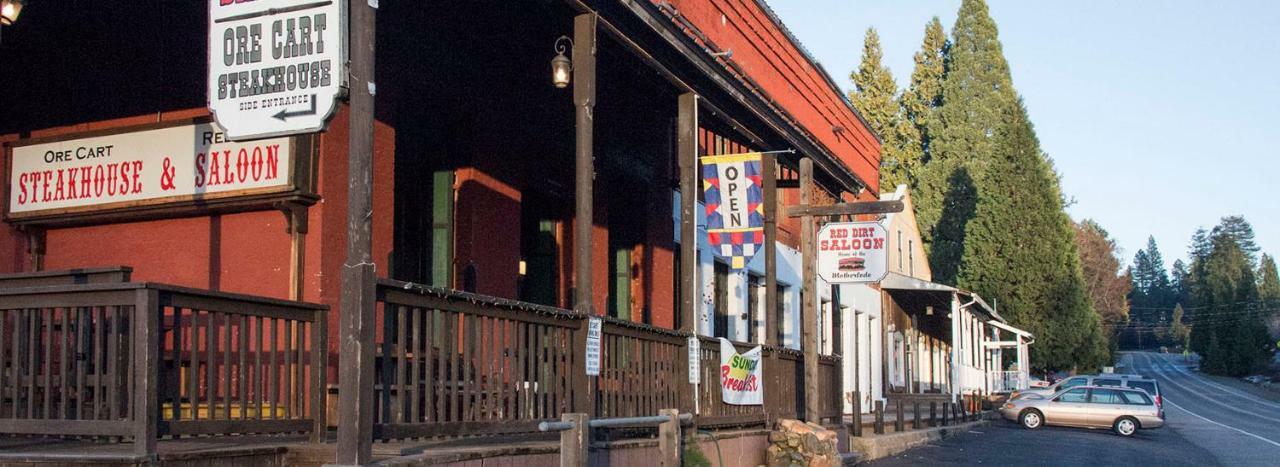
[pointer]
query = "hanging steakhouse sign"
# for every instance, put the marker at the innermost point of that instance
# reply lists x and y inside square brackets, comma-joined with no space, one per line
[276,67]
[852,252]
[740,380]
[187,163]
[734,197]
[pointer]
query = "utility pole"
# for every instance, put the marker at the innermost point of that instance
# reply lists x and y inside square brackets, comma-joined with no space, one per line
[355,373]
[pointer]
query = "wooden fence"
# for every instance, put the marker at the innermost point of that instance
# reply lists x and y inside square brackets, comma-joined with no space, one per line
[140,361]
[454,363]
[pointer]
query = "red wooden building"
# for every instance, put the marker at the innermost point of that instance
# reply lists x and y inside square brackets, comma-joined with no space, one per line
[474,170]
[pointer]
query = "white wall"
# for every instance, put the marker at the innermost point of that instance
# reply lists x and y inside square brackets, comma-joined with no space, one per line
[864,344]
[788,277]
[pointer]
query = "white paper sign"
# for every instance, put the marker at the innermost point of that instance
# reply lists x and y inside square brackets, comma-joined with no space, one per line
[695,360]
[853,252]
[276,67]
[740,375]
[593,346]
[175,164]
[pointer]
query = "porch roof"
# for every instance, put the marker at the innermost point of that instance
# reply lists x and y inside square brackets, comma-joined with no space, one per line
[896,281]
[900,282]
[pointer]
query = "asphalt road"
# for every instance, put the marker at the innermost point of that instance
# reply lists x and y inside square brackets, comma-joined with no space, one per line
[1236,426]
[1207,423]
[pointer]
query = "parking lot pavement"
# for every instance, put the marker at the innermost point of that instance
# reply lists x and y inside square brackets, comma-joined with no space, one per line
[1005,443]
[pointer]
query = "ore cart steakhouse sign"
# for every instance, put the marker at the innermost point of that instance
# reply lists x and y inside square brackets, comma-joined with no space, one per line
[178,164]
[276,67]
[852,252]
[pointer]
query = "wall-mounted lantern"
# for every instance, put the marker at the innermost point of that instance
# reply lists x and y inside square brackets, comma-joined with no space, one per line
[561,66]
[9,11]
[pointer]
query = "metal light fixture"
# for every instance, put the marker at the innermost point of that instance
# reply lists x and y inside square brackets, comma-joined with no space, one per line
[9,11]
[561,66]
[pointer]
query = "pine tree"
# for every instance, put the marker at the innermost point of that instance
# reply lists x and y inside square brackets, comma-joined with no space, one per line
[923,96]
[1178,281]
[1228,331]
[977,100]
[1269,293]
[874,97]
[1239,230]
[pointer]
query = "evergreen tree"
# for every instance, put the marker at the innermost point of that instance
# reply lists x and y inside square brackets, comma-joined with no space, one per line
[1239,230]
[977,100]
[923,96]
[1178,282]
[1020,247]
[874,97]
[1269,293]
[1228,331]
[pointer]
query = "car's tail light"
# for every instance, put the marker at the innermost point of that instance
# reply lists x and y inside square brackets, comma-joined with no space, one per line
[1009,405]
[1159,401]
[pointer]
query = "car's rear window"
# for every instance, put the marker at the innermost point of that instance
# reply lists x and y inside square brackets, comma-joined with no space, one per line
[1135,398]
[1149,386]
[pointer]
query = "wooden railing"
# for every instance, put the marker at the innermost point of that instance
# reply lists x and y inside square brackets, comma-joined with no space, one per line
[454,363]
[141,361]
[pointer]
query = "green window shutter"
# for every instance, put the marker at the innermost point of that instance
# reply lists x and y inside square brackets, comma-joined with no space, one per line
[442,229]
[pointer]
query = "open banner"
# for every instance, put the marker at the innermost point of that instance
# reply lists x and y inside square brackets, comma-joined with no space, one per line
[740,375]
[734,197]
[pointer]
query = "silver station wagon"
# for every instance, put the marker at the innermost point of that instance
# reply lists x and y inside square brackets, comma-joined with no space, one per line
[1124,410]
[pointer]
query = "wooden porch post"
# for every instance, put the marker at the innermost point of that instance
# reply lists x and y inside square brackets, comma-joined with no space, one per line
[355,374]
[770,175]
[584,100]
[687,155]
[955,346]
[146,357]
[809,321]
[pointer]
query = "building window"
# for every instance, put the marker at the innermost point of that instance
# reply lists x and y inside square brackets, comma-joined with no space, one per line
[899,245]
[911,262]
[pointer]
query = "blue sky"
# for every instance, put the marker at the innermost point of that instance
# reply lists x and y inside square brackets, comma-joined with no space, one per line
[1161,116]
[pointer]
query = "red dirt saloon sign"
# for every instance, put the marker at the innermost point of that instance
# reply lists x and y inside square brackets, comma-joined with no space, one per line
[852,252]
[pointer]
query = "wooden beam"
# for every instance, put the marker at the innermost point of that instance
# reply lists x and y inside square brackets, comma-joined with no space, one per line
[687,155]
[846,209]
[809,317]
[770,176]
[358,312]
[584,100]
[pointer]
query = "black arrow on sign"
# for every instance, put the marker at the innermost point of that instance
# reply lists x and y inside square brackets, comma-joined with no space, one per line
[285,113]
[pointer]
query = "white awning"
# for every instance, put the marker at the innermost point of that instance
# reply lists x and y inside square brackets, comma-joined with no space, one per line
[895,281]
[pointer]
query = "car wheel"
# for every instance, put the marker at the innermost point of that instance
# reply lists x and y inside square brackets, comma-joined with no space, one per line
[1125,426]
[1031,419]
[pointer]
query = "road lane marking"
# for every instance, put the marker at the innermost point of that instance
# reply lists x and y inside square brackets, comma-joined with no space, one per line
[1190,379]
[1246,396]
[1221,425]
[1193,391]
